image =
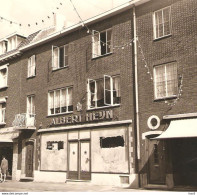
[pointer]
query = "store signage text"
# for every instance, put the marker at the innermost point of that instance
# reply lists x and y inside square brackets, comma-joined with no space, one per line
[90,116]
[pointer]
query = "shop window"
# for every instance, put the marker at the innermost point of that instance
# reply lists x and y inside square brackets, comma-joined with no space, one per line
[60,57]
[60,101]
[3,76]
[162,22]
[111,142]
[165,80]
[2,113]
[101,43]
[31,66]
[104,92]
[55,145]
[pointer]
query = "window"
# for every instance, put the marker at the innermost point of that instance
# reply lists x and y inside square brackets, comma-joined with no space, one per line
[165,80]
[60,101]
[60,57]
[3,47]
[2,113]
[31,104]
[104,92]
[3,76]
[102,43]
[31,66]
[162,22]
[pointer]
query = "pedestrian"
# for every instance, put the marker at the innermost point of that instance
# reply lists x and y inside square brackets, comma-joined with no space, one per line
[1,179]
[4,168]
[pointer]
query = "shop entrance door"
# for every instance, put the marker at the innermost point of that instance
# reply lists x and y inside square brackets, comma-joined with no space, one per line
[29,159]
[156,163]
[79,160]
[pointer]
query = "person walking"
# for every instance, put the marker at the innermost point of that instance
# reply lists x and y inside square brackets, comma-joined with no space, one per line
[4,168]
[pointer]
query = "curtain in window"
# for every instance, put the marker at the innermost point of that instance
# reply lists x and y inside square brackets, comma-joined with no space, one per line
[96,45]
[63,100]
[171,75]
[66,55]
[51,102]
[55,57]
[70,99]
[57,101]
[3,77]
[33,62]
[160,81]
[92,93]
[166,20]
[1,114]
[116,85]
[109,40]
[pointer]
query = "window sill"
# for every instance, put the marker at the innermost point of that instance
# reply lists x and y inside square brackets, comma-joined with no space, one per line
[165,98]
[53,70]
[2,123]
[100,108]
[107,54]
[31,77]
[4,87]
[60,114]
[160,38]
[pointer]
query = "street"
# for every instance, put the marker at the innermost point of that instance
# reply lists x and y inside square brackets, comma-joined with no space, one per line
[14,186]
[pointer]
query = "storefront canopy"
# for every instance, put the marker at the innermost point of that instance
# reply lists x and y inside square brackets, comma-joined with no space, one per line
[182,128]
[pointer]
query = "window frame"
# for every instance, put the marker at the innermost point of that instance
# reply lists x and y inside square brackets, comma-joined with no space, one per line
[104,92]
[155,82]
[155,24]
[31,71]
[31,105]
[94,32]
[60,98]
[58,57]
[3,114]
[6,82]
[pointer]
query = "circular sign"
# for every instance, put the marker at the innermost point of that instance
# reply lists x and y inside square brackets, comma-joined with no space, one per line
[153,122]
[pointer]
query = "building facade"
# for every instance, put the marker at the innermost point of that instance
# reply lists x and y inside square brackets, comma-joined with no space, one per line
[109,101]
[167,100]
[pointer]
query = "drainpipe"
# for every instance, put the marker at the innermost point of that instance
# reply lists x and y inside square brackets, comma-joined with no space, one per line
[136,92]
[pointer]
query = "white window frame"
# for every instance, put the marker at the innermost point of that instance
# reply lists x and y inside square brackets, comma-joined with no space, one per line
[2,111]
[31,104]
[5,77]
[155,24]
[166,80]
[58,56]
[54,100]
[104,88]
[31,72]
[98,42]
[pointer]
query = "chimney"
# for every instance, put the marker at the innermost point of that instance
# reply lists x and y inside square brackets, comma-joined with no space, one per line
[59,21]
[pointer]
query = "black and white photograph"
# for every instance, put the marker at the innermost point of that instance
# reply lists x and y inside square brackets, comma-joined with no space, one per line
[98,96]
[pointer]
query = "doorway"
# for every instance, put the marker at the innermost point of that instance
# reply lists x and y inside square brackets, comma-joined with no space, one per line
[79,163]
[156,162]
[6,150]
[29,159]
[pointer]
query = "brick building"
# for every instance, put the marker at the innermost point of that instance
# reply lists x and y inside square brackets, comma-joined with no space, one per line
[105,101]
[167,38]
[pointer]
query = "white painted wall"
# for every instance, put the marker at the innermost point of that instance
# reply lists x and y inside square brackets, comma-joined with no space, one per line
[54,160]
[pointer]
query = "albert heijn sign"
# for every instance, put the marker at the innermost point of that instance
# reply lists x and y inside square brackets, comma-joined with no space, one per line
[78,118]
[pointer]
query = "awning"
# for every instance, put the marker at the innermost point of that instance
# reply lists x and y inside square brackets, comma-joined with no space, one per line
[182,128]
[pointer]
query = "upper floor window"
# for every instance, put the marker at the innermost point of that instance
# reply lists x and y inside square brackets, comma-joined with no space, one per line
[2,112]
[162,22]
[3,76]
[31,66]
[101,43]
[31,104]
[60,56]
[60,101]
[165,80]
[3,47]
[104,92]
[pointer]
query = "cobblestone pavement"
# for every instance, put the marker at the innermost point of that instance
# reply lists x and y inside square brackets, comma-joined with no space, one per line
[14,186]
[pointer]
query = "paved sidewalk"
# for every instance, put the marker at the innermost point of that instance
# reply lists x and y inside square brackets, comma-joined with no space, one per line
[14,186]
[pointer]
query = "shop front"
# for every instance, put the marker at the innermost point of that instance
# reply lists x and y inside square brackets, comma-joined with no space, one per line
[96,152]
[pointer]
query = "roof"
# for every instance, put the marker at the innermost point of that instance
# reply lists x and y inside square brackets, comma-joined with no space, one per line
[16,52]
